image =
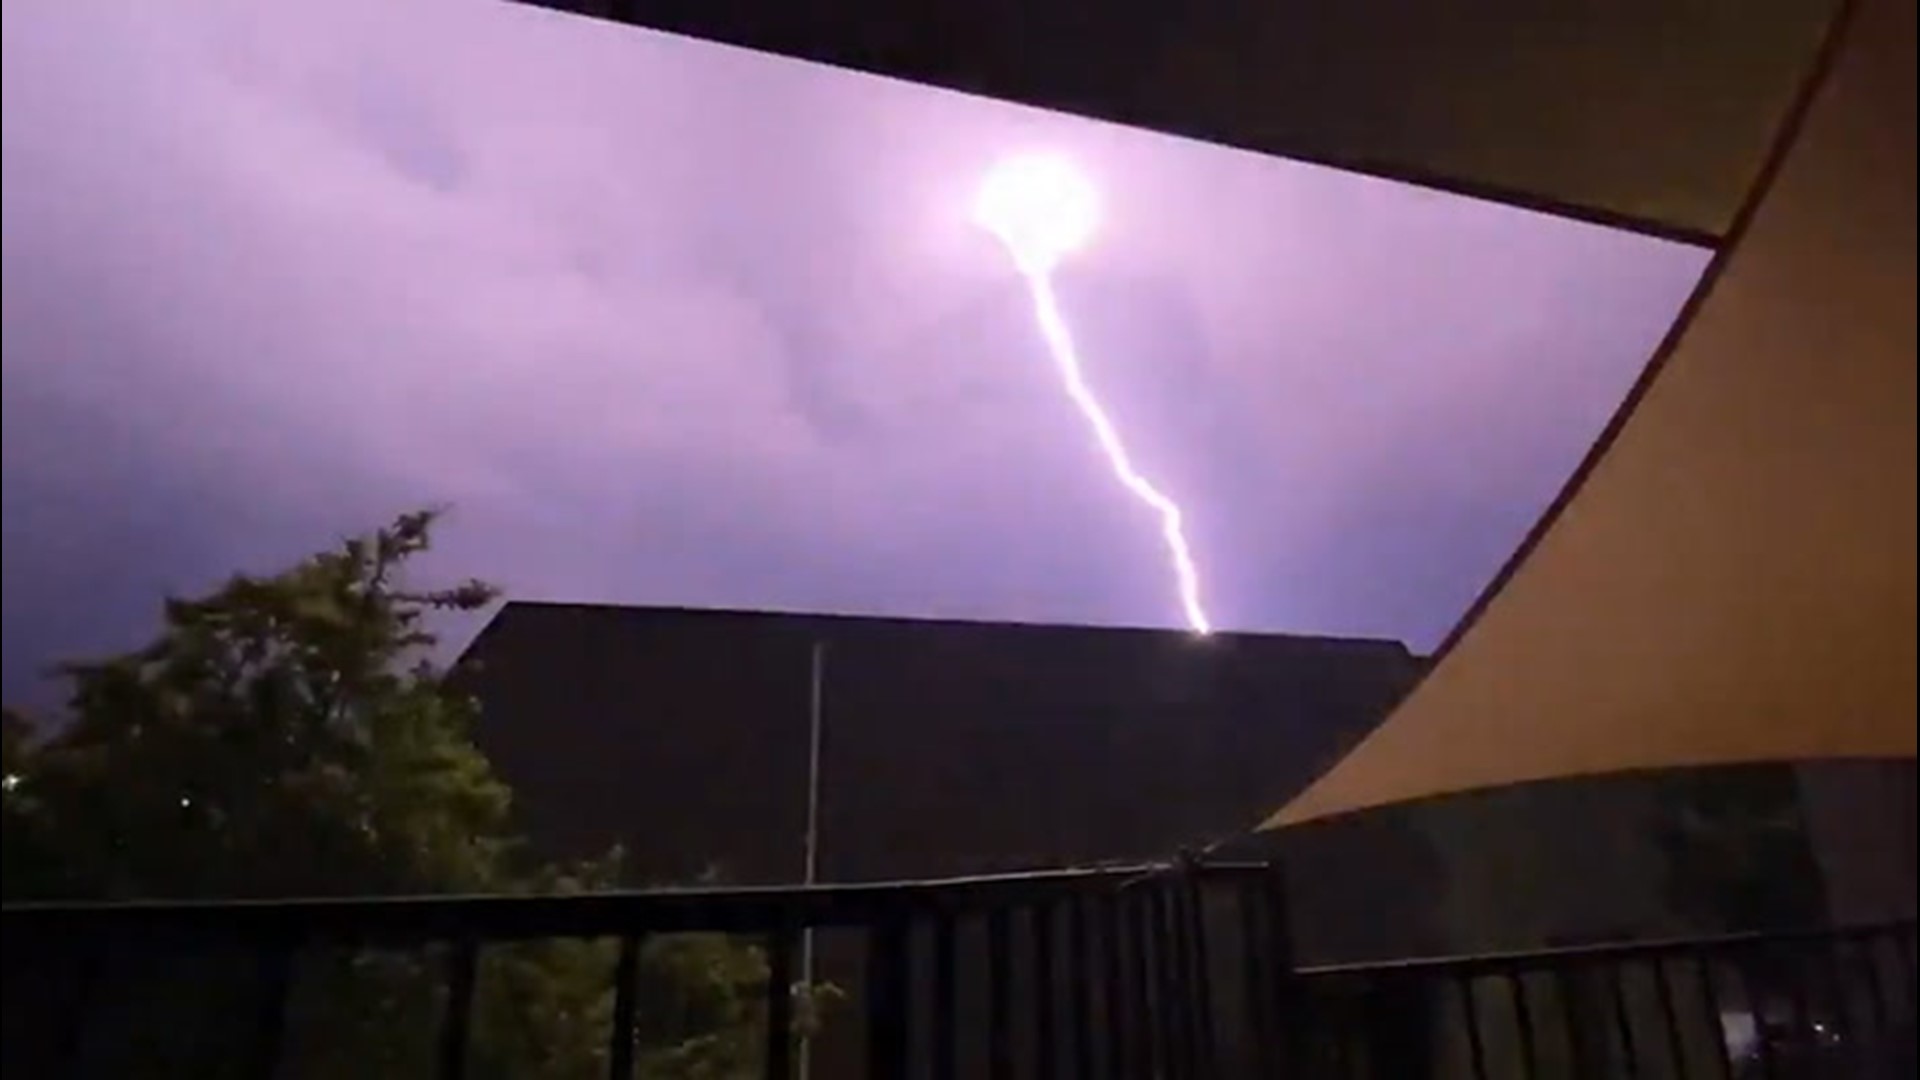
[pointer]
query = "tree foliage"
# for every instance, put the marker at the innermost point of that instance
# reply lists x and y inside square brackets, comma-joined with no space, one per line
[288,736]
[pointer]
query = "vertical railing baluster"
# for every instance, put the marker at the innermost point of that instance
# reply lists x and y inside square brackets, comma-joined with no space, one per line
[1903,945]
[778,1054]
[943,1044]
[1878,1006]
[888,983]
[1186,988]
[1836,979]
[1046,1049]
[1752,990]
[1523,1019]
[1080,986]
[1292,1018]
[1146,1047]
[1261,985]
[1348,1025]
[1114,987]
[70,1022]
[270,1009]
[621,1040]
[1192,906]
[1476,1041]
[1710,1000]
[1623,1015]
[1670,1016]
[999,995]
[1169,1013]
[1800,1010]
[457,1022]
[1578,1045]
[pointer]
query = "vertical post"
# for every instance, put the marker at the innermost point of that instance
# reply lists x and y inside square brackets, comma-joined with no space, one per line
[889,974]
[1883,1015]
[1903,948]
[999,994]
[1670,1015]
[945,1049]
[1199,971]
[1262,985]
[1140,995]
[275,976]
[626,980]
[1476,1042]
[1753,993]
[1710,1000]
[1080,984]
[457,1020]
[1046,990]
[810,871]
[1523,1018]
[1114,1003]
[779,1045]
[1623,1016]
[1799,1006]
[1849,1034]
[1566,986]
[815,717]
[1169,1000]
[1294,1026]
[69,1042]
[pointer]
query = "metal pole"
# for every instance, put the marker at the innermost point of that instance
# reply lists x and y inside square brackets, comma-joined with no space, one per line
[811,873]
[814,718]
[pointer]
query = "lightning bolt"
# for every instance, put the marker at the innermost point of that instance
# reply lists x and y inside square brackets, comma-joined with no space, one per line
[1059,339]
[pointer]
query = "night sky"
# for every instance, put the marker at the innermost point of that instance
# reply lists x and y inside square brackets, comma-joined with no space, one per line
[673,323]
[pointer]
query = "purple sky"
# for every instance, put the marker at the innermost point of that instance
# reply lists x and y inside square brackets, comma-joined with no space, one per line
[674,323]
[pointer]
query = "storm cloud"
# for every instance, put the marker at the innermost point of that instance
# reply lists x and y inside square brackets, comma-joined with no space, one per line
[668,322]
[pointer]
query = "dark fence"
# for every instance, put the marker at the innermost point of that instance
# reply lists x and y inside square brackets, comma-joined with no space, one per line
[1831,1003]
[1179,971]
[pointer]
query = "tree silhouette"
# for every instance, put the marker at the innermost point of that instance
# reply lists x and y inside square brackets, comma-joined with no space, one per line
[286,736]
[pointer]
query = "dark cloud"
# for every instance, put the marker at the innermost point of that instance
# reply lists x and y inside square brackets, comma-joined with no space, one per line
[394,122]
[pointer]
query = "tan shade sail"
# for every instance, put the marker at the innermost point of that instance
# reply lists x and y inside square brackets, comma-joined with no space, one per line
[1734,580]
[1650,112]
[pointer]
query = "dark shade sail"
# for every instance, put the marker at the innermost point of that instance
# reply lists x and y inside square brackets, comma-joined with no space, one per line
[1648,113]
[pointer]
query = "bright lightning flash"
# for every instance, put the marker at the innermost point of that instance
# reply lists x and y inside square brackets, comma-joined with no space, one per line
[1043,209]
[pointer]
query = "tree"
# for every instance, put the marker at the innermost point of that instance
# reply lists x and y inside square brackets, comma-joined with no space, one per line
[287,736]
[280,737]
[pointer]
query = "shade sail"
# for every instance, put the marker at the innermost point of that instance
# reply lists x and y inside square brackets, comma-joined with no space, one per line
[1650,112]
[1734,580]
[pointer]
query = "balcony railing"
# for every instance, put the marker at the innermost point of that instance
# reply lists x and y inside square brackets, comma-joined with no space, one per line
[1179,970]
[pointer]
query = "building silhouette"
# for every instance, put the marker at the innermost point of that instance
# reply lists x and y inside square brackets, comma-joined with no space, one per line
[947,747]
